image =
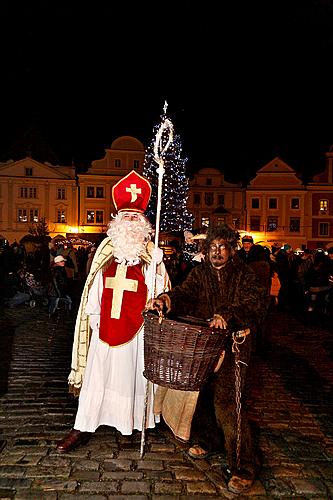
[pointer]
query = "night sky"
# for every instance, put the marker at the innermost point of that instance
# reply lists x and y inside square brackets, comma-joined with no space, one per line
[245,81]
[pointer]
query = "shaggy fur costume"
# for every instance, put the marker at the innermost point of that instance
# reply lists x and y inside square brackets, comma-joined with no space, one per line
[235,293]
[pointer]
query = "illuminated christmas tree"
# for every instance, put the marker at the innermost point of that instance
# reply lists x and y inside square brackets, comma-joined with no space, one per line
[174,214]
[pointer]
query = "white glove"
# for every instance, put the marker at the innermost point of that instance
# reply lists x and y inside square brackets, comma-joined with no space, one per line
[94,321]
[157,255]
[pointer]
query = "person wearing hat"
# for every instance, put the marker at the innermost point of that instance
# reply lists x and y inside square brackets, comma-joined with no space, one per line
[58,285]
[245,253]
[107,365]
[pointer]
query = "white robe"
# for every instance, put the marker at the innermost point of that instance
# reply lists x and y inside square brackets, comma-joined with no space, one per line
[113,389]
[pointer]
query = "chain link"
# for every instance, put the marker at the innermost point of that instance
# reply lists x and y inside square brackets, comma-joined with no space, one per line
[238,338]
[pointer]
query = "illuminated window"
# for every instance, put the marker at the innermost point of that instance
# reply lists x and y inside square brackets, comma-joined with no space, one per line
[95,216]
[205,221]
[272,223]
[22,215]
[220,221]
[255,203]
[295,225]
[323,206]
[90,216]
[236,222]
[61,216]
[33,215]
[28,215]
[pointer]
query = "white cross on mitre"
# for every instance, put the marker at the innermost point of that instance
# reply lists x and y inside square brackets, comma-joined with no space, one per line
[134,192]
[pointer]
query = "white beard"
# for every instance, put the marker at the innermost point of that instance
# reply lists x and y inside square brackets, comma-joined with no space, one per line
[129,239]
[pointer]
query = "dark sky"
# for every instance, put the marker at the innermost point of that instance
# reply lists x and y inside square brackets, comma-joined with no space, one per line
[245,80]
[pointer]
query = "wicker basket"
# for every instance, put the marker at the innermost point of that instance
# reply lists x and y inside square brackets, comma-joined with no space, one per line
[181,354]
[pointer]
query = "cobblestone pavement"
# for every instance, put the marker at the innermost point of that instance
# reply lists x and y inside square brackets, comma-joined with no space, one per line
[291,407]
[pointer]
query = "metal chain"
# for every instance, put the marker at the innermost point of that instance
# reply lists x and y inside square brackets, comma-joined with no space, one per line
[238,338]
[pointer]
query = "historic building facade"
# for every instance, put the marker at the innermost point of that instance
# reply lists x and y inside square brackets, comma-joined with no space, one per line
[320,206]
[275,207]
[214,201]
[95,186]
[31,190]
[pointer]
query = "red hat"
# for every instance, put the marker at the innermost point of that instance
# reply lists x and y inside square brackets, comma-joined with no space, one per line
[131,193]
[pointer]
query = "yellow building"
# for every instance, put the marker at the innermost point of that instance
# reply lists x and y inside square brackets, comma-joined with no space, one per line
[96,207]
[214,201]
[320,203]
[31,190]
[276,206]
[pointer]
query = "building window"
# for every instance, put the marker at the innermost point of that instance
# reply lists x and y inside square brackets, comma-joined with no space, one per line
[236,222]
[117,163]
[99,192]
[295,225]
[28,215]
[90,192]
[95,216]
[272,203]
[294,203]
[136,164]
[220,221]
[209,199]
[99,216]
[197,198]
[61,216]
[204,221]
[323,206]
[22,215]
[255,223]
[26,192]
[323,229]
[33,215]
[28,171]
[221,200]
[208,181]
[90,216]
[255,203]
[61,194]
[272,224]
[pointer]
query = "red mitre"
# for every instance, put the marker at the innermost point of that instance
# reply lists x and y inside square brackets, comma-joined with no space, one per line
[131,193]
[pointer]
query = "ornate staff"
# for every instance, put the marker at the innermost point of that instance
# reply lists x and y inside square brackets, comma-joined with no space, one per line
[159,152]
[166,127]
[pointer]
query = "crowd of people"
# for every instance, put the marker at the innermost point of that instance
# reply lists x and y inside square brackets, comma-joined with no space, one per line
[293,277]
[49,272]
[227,282]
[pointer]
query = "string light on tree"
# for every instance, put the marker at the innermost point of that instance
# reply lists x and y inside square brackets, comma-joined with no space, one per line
[174,214]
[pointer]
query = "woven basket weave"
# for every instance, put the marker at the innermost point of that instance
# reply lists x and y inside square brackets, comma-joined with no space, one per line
[181,354]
